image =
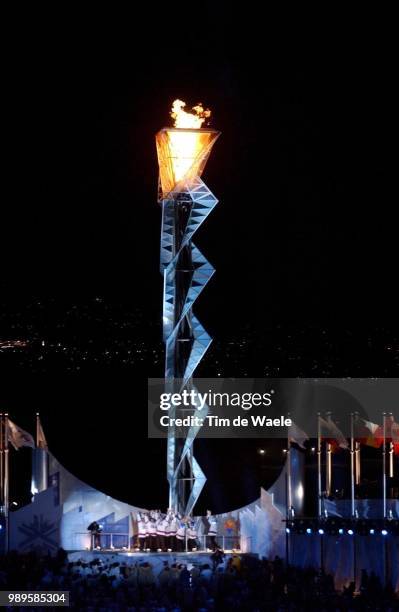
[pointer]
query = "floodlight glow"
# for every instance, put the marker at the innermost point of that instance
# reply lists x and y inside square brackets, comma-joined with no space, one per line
[321,531]
[300,492]
[350,531]
[308,530]
[384,532]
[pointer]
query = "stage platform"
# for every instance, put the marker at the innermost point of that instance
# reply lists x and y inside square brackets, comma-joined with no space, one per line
[155,559]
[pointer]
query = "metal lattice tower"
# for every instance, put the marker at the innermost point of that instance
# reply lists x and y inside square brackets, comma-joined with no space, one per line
[186,202]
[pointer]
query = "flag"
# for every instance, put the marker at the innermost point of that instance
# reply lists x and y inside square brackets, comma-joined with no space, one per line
[295,434]
[372,427]
[18,437]
[369,433]
[372,434]
[329,430]
[40,437]
[392,429]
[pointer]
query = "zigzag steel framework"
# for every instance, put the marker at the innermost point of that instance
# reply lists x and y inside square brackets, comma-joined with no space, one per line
[186,202]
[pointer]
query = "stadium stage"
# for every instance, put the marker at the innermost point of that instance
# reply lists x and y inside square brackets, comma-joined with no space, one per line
[340,544]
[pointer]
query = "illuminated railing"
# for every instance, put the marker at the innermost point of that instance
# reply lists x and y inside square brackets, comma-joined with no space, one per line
[108,540]
[103,541]
[203,543]
[234,543]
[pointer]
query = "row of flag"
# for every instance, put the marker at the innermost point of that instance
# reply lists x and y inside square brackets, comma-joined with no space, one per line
[365,432]
[18,437]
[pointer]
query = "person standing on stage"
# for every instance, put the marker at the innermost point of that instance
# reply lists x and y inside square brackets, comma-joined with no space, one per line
[147,532]
[162,526]
[192,536]
[181,535]
[212,531]
[168,527]
[142,531]
[168,531]
[152,534]
[160,533]
[95,531]
[174,525]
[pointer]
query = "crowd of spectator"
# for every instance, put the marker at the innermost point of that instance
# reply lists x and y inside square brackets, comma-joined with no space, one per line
[226,583]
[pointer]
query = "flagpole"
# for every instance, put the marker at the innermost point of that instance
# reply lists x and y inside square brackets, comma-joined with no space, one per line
[44,458]
[6,480]
[384,469]
[328,462]
[41,463]
[289,476]
[289,480]
[391,450]
[328,468]
[34,486]
[357,456]
[319,463]
[1,464]
[357,461]
[352,451]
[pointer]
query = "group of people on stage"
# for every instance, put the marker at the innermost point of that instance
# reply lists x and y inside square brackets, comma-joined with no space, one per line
[158,532]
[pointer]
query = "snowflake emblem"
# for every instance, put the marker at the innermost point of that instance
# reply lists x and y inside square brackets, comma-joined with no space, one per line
[39,532]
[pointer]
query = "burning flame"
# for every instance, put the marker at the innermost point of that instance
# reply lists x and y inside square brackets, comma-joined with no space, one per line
[185,146]
[189,120]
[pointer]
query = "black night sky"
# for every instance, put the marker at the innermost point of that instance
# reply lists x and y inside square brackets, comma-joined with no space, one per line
[304,241]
